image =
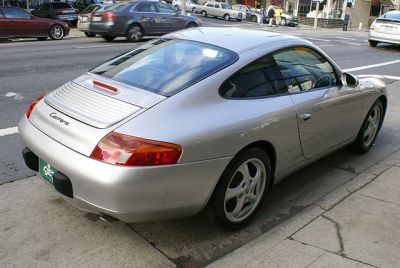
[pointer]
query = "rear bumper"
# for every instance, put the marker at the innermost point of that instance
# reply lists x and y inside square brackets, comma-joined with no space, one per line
[130,194]
[104,29]
[384,37]
[83,26]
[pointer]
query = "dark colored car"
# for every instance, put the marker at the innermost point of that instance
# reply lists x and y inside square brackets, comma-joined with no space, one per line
[85,17]
[83,4]
[140,18]
[16,22]
[57,11]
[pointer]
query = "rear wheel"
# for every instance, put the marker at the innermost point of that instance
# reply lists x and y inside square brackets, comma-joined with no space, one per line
[283,22]
[370,128]
[90,34]
[56,32]
[108,38]
[240,191]
[135,33]
[227,17]
[203,13]
[253,19]
[191,25]
[373,43]
[176,7]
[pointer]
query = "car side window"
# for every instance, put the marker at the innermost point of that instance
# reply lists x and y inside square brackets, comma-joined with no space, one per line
[258,79]
[217,6]
[146,7]
[304,69]
[1,14]
[45,7]
[165,8]
[210,5]
[15,13]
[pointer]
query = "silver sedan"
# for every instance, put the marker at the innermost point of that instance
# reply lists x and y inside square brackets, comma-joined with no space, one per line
[385,29]
[198,119]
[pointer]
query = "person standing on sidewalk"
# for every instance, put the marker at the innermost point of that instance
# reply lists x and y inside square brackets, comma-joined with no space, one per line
[278,14]
[271,14]
[346,22]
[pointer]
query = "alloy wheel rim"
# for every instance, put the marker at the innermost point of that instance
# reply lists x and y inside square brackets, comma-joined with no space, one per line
[372,127]
[245,190]
[57,32]
[227,17]
[135,33]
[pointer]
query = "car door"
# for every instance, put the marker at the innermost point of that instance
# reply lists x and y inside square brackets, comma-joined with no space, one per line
[149,18]
[4,25]
[170,21]
[218,10]
[20,22]
[328,113]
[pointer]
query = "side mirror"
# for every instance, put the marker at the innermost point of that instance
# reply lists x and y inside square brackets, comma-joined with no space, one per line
[349,80]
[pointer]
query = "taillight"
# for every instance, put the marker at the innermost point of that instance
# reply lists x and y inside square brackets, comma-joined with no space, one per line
[109,16]
[125,150]
[32,106]
[372,26]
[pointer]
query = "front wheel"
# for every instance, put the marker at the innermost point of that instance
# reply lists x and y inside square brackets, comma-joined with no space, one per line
[370,128]
[56,32]
[240,191]
[283,22]
[253,19]
[203,13]
[90,34]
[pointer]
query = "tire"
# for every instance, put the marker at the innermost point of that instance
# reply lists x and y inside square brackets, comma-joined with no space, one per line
[373,43]
[191,25]
[227,17]
[134,33]
[56,32]
[108,38]
[193,10]
[176,7]
[238,20]
[90,34]
[41,38]
[283,22]
[370,128]
[203,13]
[226,211]
[253,19]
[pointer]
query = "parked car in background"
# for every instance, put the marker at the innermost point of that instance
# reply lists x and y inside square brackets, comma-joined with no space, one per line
[139,18]
[190,6]
[85,17]
[249,13]
[83,4]
[58,11]
[220,10]
[16,22]
[385,29]
[207,118]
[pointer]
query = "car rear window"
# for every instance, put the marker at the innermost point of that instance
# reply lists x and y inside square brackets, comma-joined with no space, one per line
[119,6]
[167,66]
[390,16]
[60,5]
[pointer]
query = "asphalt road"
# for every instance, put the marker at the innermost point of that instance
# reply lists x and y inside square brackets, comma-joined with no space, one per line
[30,68]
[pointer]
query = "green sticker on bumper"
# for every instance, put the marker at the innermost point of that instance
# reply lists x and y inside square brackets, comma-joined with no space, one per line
[46,171]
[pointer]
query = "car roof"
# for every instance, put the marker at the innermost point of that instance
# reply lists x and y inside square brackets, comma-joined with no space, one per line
[236,39]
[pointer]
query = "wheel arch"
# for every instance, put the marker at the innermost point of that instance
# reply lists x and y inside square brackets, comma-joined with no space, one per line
[384,102]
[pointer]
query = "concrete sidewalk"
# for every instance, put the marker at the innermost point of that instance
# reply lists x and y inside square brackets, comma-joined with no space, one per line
[357,225]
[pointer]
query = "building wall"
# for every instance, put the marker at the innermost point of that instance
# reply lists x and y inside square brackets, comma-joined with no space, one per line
[359,13]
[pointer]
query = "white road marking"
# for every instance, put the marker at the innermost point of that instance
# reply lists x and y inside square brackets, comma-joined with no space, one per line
[390,77]
[317,39]
[328,45]
[10,94]
[8,131]
[345,38]
[100,46]
[371,66]
[352,44]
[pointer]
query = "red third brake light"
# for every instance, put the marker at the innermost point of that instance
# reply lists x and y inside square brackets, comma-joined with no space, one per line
[32,106]
[109,16]
[125,150]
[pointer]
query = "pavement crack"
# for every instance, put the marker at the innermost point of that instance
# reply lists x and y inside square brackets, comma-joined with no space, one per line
[338,234]
[324,209]
[314,261]
[378,199]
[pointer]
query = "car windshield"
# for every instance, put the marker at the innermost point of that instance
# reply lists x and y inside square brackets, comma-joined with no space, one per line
[390,16]
[165,66]
[226,6]
[60,5]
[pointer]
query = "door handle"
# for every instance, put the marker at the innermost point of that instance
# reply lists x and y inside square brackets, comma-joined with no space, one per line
[305,117]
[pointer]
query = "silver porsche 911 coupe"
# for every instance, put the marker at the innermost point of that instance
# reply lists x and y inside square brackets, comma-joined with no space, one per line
[204,118]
